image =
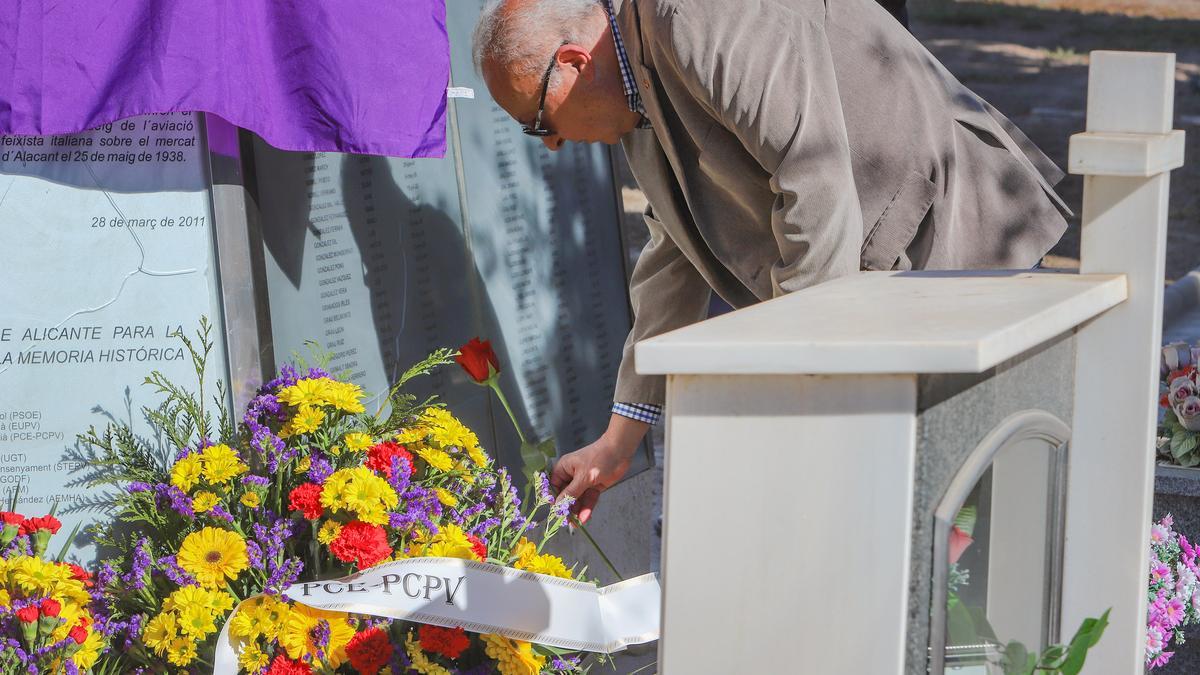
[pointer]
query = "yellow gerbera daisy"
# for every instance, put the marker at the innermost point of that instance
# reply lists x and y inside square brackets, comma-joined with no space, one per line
[89,651]
[213,555]
[221,464]
[186,472]
[299,634]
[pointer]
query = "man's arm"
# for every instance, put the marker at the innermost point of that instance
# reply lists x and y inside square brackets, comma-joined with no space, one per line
[766,76]
[667,293]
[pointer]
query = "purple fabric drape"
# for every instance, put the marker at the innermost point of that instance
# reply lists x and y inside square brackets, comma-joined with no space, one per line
[338,75]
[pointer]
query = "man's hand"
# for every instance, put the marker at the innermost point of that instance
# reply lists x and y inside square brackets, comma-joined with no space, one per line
[587,472]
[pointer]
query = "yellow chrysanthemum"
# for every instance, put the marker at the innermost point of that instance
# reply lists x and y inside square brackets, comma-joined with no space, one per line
[420,662]
[360,491]
[204,501]
[244,625]
[524,551]
[160,632]
[89,651]
[357,442]
[413,434]
[450,542]
[447,431]
[438,459]
[196,621]
[38,577]
[306,420]
[478,456]
[329,531]
[346,397]
[545,563]
[5,600]
[513,657]
[217,602]
[446,497]
[252,659]
[304,464]
[251,500]
[212,556]
[307,391]
[297,634]
[272,614]
[186,472]
[182,651]
[221,464]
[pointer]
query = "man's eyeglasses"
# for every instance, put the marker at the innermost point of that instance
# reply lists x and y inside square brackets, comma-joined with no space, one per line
[537,129]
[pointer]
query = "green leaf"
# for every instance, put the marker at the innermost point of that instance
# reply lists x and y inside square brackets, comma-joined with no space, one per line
[965,520]
[959,624]
[548,449]
[532,459]
[1017,659]
[1086,637]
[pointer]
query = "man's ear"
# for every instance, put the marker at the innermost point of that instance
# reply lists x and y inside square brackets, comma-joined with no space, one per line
[579,58]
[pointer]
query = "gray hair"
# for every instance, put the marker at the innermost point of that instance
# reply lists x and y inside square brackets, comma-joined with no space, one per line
[521,41]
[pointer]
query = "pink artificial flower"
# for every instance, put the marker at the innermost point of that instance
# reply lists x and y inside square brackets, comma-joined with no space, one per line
[1159,534]
[959,541]
[1160,660]
[1189,553]
[1173,611]
[1159,572]
[1154,641]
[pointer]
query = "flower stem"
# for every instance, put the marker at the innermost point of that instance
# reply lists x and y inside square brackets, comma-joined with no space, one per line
[495,385]
[611,566]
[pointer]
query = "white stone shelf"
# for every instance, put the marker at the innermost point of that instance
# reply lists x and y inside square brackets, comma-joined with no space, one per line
[888,323]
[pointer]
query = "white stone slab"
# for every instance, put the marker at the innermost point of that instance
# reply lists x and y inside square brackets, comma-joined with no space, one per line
[888,322]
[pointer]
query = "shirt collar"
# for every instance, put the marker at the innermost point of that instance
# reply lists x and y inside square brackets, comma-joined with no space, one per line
[632,96]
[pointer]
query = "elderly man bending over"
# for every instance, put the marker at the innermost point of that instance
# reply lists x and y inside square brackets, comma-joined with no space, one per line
[780,143]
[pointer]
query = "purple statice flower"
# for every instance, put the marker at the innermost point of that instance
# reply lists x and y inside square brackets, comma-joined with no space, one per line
[317,373]
[138,486]
[287,377]
[220,513]
[283,576]
[401,474]
[421,507]
[562,506]
[319,468]
[175,573]
[319,635]
[169,496]
[544,493]
[474,510]
[256,481]
[483,527]
[183,452]
[139,568]
[254,554]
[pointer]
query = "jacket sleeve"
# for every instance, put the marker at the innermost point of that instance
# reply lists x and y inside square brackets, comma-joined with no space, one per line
[667,293]
[765,73]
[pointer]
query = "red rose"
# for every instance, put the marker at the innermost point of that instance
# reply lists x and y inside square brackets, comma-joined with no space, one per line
[478,359]
[11,518]
[369,651]
[361,543]
[50,607]
[48,523]
[479,547]
[28,614]
[282,665]
[307,500]
[379,458]
[449,642]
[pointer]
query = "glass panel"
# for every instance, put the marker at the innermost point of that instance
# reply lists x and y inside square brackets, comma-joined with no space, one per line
[1001,554]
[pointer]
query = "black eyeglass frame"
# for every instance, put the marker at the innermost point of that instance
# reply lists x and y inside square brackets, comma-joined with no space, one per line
[537,129]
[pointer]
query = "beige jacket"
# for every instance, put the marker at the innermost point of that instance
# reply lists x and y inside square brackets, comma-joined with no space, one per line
[795,141]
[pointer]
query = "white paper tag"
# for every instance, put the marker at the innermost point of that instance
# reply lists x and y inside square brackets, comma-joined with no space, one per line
[460,92]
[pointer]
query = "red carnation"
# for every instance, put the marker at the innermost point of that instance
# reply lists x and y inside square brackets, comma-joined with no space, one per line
[282,665]
[362,543]
[50,607]
[379,458]
[48,523]
[80,632]
[479,547]
[307,500]
[80,574]
[28,614]
[478,359]
[449,642]
[369,651]
[11,518]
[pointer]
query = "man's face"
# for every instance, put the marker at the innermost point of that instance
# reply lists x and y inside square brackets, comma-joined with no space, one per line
[584,106]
